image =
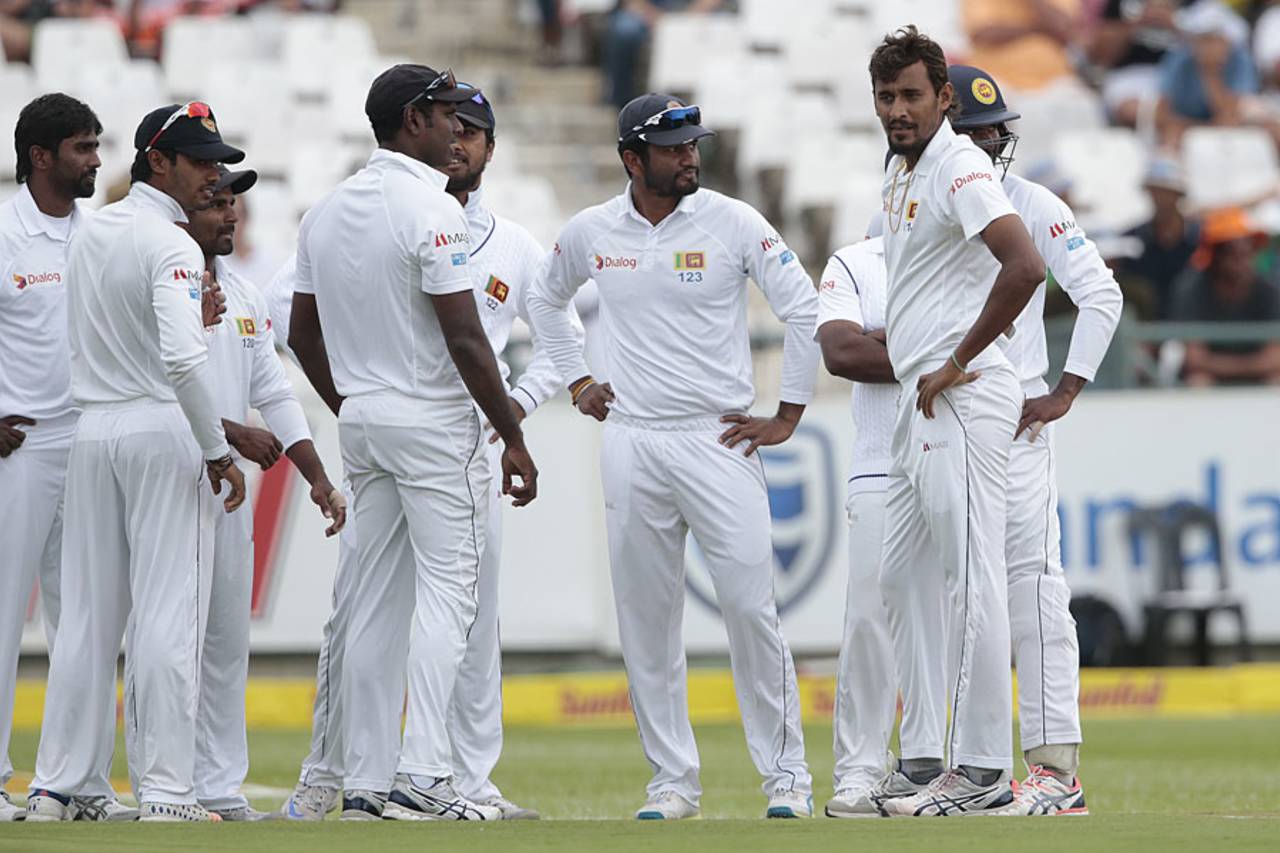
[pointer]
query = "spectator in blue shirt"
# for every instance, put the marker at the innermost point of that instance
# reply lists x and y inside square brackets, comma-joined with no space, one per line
[1206,80]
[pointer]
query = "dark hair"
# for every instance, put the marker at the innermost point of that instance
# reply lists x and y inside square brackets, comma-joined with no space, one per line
[903,48]
[140,171]
[639,146]
[47,121]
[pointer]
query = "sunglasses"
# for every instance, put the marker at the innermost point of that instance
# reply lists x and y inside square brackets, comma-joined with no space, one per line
[669,119]
[444,80]
[191,109]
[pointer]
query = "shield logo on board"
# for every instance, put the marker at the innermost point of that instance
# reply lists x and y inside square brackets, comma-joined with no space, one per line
[802,480]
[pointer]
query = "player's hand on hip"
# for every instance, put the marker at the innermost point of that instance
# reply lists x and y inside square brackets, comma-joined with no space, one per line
[516,409]
[259,446]
[758,432]
[933,384]
[517,463]
[213,302]
[1039,411]
[224,470]
[332,503]
[11,437]
[595,400]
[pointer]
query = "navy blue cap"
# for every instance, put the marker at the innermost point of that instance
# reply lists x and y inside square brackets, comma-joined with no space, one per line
[981,102]
[639,120]
[476,110]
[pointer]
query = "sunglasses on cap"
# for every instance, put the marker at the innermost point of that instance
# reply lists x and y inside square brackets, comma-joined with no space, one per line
[191,109]
[669,119]
[444,80]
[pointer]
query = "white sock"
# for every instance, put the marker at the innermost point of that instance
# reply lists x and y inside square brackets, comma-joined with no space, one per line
[1060,759]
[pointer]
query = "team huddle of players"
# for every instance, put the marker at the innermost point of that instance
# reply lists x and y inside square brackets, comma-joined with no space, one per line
[131,355]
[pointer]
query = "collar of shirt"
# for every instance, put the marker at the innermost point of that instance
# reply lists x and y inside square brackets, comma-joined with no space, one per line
[148,196]
[938,145]
[29,214]
[385,158]
[687,205]
[480,220]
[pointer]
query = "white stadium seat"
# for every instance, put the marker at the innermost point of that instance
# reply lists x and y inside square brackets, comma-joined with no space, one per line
[315,43]
[197,45]
[683,44]
[61,46]
[1228,166]
[1105,166]
[821,164]
[121,95]
[860,199]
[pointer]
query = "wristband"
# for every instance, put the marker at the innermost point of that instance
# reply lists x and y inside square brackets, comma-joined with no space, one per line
[959,367]
[220,464]
[577,388]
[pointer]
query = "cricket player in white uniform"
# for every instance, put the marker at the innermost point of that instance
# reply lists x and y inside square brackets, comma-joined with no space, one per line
[384,293]
[1045,648]
[503,261]
[672,264]
[949,230]
[850,328]
[249,375]
[56,138]
[133,532]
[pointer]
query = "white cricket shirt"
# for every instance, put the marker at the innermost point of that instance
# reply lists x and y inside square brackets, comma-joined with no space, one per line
[373,251]
[35,365]
[505,259]
[673,304]
[940,272]
[133,312]
[243,357]
[853,289]
[1074,263]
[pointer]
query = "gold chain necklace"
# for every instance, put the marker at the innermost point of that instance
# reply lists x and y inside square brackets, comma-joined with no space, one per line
[895,225]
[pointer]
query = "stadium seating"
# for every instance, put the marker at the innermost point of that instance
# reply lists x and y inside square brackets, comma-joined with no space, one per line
[1213,158]
[59,45]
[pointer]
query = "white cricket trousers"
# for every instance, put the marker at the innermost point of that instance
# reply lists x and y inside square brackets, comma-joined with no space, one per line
[662,480]
[1046,651]
[866,680]
[135,532]
[420,476]
[226,596]
[475,714]
[31,481]
[944,552]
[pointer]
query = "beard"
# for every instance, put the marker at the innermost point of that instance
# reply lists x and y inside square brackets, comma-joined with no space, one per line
[466,182]
[667,186]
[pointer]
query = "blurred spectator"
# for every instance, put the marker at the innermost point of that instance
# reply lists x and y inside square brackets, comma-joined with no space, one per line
[1266,45]
[1025,44]
[1208,79]
[1131,38]
[19,17]
[626,34]
[1225,287]
[549,13]
[1167,241]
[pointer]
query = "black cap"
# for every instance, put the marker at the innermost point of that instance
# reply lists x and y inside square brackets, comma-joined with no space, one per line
[187,129]
[632,122]
[476,109]
[240,181]
[396,87]
[981,102]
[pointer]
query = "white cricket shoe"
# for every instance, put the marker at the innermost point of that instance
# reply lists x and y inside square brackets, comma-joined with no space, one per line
[310,802]
[101,808]
[438,802]
[48,807]
[953,793]
[509,810]
[1045,794]
[363,805]
[176,813]
[246,814]
[8,811]
[893,786]
[668,805]
[852,803]
[786,803]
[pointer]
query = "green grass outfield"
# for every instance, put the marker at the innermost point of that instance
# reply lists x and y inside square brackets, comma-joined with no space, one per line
[1159,785]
